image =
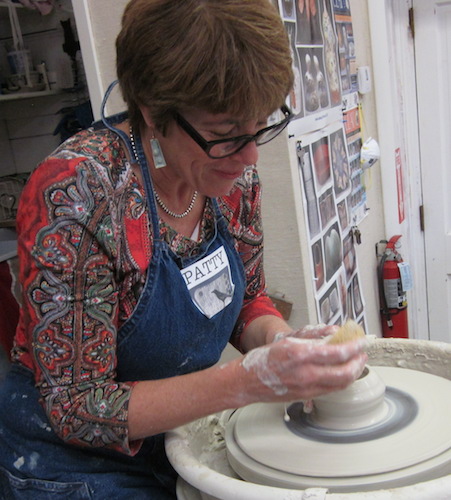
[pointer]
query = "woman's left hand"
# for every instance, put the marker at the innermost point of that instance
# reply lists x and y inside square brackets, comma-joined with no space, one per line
[309,332]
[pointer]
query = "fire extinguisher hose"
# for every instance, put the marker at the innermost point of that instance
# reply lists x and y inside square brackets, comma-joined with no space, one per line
[385,311]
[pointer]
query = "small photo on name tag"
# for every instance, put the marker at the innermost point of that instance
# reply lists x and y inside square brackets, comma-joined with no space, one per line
[209,282]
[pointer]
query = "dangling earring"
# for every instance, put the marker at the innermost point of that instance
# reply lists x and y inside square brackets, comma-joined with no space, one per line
[157,153]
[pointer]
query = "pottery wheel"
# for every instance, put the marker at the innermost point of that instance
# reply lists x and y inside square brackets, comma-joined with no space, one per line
[411,442]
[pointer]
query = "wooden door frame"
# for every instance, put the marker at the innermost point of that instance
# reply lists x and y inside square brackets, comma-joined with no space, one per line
[397,111]
[433,28]
[89,54]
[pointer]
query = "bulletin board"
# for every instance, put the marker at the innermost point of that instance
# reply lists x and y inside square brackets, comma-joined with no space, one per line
[326,135]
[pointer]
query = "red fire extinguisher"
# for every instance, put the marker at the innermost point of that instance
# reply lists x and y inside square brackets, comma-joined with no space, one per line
[392,296]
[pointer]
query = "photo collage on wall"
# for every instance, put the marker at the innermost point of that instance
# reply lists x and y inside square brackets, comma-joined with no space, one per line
[357,198]
[326,183]
[323,60]
[326,135]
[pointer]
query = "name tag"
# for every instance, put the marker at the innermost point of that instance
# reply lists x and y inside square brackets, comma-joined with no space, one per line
[209,282]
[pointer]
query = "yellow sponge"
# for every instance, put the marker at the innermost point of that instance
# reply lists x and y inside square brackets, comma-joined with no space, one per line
[349,331]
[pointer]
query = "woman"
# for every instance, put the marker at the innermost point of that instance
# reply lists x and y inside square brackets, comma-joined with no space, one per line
[141,257]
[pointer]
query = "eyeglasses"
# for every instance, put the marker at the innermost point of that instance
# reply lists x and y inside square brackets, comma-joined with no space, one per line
[227,147]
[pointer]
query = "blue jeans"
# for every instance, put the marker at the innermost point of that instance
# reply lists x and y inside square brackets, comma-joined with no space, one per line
[13,487]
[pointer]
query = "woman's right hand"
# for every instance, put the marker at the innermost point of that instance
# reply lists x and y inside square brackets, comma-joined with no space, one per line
[290,370]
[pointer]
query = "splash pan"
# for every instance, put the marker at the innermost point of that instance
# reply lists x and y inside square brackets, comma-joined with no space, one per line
[409,440]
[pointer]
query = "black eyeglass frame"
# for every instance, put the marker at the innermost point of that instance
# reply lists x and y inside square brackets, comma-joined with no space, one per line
[208,145]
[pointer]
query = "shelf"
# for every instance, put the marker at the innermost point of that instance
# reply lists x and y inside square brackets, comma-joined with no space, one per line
[16,5]
[8,243]
[28,95]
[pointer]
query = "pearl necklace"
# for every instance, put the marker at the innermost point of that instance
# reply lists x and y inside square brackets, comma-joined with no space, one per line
[157,197]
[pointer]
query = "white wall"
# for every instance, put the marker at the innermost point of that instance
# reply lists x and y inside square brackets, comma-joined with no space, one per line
[98,23]
[372,227]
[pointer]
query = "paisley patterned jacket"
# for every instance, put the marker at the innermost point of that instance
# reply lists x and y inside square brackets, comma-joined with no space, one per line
[85,242]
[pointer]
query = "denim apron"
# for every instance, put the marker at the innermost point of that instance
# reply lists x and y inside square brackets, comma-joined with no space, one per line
[167,335]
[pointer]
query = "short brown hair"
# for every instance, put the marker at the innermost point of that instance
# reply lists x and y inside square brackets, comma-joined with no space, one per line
[216,55]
